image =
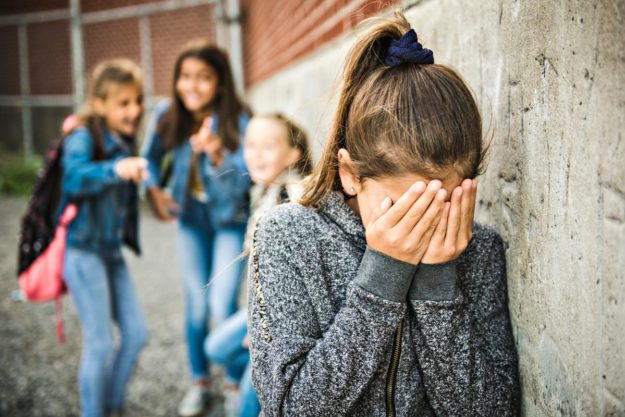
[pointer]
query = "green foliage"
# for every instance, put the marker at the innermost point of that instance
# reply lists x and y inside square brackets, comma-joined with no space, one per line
[17,175]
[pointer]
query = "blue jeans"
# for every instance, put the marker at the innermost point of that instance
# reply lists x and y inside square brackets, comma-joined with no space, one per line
[103,292]
[211,277]
[225,347]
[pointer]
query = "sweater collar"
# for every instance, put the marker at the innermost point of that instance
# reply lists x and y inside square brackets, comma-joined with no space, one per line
[334,207]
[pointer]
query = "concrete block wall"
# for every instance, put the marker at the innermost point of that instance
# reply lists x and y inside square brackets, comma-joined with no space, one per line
[550,79]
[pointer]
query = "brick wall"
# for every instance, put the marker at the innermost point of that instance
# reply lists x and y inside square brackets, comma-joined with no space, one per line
[9,7]
[278,32]
[49,44]
[170,31]
[112,39]
[9,61]
[98,5]
[49,56]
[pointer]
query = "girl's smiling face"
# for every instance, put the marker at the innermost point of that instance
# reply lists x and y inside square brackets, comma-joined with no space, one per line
[122,108]
[266,149]
[197,85]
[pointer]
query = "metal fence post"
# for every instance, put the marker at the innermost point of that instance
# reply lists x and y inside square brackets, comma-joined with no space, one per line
[78,55]
[145,42]
[27,111]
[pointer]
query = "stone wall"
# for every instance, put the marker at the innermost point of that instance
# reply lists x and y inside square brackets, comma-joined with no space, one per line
[550,79]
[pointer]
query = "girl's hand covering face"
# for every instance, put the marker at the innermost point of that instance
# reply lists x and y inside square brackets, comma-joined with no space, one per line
[403,230]
[455,229]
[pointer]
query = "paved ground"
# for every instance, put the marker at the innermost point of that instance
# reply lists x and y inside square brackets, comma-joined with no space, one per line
[38,377]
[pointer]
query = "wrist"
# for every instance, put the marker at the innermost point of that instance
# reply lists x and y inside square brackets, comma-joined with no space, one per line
[384,275]
[436,282]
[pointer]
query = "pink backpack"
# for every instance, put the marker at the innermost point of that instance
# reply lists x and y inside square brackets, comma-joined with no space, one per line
[43,278]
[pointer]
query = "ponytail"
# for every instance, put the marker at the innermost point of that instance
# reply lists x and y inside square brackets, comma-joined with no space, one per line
[365,57]
[394,117]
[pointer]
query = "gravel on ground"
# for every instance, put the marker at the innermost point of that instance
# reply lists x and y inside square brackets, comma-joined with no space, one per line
[38,376]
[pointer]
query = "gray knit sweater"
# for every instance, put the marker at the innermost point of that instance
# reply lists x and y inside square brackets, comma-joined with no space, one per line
[338,329]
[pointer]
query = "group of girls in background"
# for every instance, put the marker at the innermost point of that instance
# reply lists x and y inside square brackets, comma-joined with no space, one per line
[205,163]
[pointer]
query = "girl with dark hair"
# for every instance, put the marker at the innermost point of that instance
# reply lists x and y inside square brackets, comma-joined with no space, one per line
[377,294]
[201,127]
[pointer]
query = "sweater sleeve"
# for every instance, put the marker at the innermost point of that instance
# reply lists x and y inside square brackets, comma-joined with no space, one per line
[297,367]
[464,344]
[82,176]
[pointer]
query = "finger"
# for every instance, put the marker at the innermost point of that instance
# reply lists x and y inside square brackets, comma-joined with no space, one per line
[473,198]
[439,234]
[415,212]
[403,204]
[427,224]
[453,223]
[466,219]
[380,210]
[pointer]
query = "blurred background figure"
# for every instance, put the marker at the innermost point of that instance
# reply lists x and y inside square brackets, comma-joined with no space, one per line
[202,128]
[100,176]
[278,158]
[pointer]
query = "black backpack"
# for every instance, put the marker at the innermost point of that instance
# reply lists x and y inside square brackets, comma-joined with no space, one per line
[39,222]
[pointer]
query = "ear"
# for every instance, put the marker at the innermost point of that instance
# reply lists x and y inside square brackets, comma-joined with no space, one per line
[349,181]
[294,155]
[98,106]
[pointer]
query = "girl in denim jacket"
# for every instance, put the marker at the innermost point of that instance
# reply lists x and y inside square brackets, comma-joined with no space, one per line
[99,175]
[201,127]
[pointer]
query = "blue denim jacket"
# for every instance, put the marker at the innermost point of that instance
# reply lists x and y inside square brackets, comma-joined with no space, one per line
[226,186]
[108,206]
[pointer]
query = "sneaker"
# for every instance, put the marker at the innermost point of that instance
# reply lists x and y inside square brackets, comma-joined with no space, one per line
[231,400]
[193,402]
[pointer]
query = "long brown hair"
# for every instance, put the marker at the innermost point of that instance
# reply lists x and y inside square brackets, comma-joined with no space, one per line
[177,124]
[411,118]
[297,139]
[120,71]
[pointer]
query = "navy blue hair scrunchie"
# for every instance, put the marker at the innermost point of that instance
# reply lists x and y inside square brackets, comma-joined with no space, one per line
[408,49]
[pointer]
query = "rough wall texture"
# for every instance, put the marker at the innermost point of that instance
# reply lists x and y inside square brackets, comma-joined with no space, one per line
[550,78]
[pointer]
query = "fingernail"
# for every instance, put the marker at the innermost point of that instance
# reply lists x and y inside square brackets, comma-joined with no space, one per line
[458,191]
[467,184]
[418,187]
[441,194]
[385,203]
[435,184]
